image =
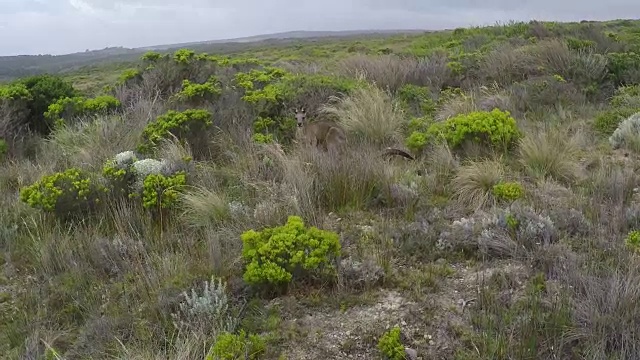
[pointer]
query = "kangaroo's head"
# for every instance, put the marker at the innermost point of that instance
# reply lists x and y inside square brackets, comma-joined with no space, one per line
[301,116]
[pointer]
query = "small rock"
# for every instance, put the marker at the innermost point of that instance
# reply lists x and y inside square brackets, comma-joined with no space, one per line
[411,353]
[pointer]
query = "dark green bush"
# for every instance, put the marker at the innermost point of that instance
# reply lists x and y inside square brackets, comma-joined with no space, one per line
[416,100]
[624,68]
[45,90]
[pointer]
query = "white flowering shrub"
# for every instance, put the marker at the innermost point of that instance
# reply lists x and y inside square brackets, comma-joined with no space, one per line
[627,135]
[209,312]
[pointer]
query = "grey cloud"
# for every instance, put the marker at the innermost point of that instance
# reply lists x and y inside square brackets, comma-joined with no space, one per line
[61,26]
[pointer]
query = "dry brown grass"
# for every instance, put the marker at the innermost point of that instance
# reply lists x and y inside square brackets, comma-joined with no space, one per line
[550,154]
[474,182]
[370,114]
[507,64]
[386,71]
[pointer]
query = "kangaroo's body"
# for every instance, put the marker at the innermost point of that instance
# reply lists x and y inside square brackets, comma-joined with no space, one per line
[321,133]
[329,136]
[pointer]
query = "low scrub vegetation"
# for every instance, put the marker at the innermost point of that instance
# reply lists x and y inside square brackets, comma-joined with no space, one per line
[174,211]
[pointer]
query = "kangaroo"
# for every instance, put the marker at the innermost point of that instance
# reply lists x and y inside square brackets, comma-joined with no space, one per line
[330,136]
[322,133]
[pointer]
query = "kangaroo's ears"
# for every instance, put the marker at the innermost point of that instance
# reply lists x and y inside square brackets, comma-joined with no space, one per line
[302,109]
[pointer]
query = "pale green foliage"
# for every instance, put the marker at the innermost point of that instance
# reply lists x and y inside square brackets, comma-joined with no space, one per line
[391,346]
[208,312]
[627,135]
[234,347]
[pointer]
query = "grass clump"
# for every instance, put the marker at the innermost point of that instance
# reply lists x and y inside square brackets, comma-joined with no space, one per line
[369,113]
[549,154]
[279,255]
[72,191]
[390,345]
[475,182]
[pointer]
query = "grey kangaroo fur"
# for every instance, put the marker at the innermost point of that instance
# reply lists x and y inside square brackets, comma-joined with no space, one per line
[329,136]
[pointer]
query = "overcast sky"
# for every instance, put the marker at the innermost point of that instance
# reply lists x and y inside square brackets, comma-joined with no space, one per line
[64,26]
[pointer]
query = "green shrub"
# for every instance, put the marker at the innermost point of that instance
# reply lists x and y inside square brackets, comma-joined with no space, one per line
[69,107]
[151,56]
[161,192]
[129,75]
[198,93]
[101,104]
[15,91]
[120,174]
[189,125]
[626,96]
[494,128]
[579,44]
[282,254]
[416,100]
[45,90]
[417,141]
[606,122]
[390,345]
[262,138]
[184,56]
[267,90]
[4,148]
[623,67]
[233,347]
[418,137]
[633,240]
[64,193]
[509,191]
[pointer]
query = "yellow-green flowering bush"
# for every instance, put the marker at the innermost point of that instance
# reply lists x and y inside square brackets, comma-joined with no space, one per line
[237,346]
[189,125]
[494,128]
[633,240]
[119,173]
[129,75]
[417,141]
[390,344]
[160,191]
[197,93]
[64,193]
[508,191]
[276,256]
[68,107]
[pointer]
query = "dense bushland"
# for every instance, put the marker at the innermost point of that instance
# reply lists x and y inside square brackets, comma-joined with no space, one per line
[174,214]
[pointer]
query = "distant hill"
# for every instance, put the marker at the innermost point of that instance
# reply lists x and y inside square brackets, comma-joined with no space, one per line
[25,65]
[287,35]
